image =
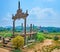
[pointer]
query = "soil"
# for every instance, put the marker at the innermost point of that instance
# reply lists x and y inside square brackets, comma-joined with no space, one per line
[36,47]
[39,46]
[3,50]
[56,50]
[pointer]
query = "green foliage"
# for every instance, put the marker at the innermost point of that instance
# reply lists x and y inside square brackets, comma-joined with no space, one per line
[39,37]
[0,45]
[5,34]
[17,50]
[18,42]
[48,37]
[56,38]
[28,37]
[58,47]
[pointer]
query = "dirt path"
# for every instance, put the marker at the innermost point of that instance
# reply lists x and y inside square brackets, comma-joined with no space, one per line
[39,46]
[56,50]
[3,50]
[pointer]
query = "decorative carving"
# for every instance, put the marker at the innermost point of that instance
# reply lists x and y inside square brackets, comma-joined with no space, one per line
[20,14]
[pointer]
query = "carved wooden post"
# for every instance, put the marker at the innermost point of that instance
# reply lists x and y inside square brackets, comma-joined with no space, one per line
[0,37]
[13,27]
[30,30]
[22,26]
[24,31]
[33,27]
[3,40]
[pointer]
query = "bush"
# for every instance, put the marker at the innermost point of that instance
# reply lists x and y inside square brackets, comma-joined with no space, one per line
[18,42]
[56,38]
[39,37]
[17,50]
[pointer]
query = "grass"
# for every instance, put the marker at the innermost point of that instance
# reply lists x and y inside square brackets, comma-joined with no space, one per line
[17,50]
[0,45]
[47,36]
[7,33]
[51,35]
[31,46]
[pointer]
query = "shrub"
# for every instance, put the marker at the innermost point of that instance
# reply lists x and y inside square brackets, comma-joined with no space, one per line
[17,50]
[39,37]
[35,51]
[28,37]
[56,38]
[18,42]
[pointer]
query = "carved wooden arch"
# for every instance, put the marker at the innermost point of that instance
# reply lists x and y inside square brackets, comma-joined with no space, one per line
[20,15]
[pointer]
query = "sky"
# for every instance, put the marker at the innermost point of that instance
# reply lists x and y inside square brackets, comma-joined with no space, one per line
[41,12]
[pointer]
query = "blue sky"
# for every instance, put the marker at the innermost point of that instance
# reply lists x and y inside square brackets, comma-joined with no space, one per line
[41,12]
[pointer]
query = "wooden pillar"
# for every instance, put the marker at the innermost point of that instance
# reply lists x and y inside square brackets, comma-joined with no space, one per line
[0,37]
[3,40]
[13,27]
[30,30]
[25,26]
[24,31]
[30,27]
[22,26]
[33,27]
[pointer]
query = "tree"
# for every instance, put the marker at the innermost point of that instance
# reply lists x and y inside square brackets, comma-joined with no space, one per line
[18,42]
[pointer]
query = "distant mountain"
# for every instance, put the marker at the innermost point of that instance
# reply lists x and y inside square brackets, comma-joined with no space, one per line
[36,28]
[1,28]
[50,29]
[8,27]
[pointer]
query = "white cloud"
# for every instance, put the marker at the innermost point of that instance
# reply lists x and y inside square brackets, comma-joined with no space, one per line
[8,17]
[7,20]
[45,16]
[42,13]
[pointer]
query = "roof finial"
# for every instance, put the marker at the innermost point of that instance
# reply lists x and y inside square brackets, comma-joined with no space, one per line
[26,11]
[18,4]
